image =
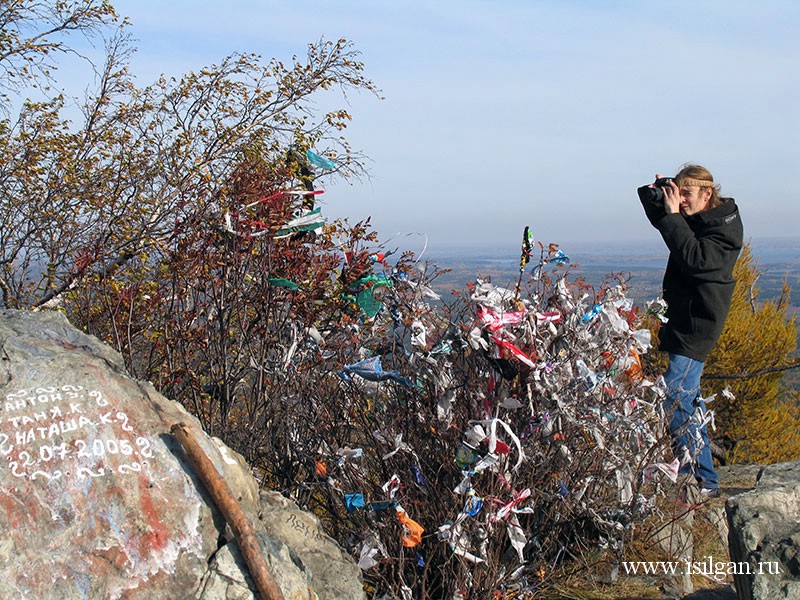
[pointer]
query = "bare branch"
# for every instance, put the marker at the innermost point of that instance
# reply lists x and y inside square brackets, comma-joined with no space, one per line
[752,374]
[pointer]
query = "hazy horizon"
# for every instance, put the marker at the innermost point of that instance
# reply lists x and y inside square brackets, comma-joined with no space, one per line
[771,248]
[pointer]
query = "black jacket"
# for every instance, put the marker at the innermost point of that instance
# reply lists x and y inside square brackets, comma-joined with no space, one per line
[698,283]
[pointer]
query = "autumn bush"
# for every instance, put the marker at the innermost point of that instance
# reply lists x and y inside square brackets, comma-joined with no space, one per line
[757,415]
[460,445]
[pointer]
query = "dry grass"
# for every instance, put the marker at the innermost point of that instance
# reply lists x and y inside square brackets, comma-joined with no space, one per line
[590,572]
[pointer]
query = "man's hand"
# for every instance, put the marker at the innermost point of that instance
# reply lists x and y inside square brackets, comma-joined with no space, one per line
[672,196]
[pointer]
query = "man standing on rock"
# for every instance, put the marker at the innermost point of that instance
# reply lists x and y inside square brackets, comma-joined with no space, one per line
[703,232]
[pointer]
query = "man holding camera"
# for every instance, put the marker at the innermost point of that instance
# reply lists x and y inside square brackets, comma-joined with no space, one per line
[703,232]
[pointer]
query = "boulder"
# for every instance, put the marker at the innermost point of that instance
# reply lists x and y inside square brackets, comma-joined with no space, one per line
[764,535]
[98,500]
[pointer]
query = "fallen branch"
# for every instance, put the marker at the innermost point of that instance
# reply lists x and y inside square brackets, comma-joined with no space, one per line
[221,494]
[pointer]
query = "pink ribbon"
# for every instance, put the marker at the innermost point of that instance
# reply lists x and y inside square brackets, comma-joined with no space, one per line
[495,321]
[506,508]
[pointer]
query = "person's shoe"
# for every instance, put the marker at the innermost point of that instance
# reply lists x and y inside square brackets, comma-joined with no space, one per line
[708,493]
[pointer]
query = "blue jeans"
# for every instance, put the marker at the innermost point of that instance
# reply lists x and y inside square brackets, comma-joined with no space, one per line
[685,410]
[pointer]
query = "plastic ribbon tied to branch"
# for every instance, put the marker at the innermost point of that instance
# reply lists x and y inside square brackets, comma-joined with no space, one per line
[320,161]
[371,369]
[238,223]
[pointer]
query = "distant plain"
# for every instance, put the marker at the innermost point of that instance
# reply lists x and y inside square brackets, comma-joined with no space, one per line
[641,265]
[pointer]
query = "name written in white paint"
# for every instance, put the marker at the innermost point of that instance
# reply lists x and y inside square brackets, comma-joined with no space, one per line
[51,432]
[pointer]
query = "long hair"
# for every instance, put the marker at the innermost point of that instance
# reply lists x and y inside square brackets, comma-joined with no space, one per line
[700,173]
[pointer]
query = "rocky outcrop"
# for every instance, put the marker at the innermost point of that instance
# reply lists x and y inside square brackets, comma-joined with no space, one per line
[97,499]
[764,538]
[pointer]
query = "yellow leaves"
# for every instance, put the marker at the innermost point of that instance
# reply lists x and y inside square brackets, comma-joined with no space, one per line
[777,438]
[33,31]
[757,336]
[124,174]
[338,119]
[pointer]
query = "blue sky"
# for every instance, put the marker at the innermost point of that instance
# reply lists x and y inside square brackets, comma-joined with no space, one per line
[509,113]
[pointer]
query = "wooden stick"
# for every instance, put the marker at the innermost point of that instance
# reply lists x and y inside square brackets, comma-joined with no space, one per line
[220,492]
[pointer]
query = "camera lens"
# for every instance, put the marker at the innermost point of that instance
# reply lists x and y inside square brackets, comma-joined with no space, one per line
[653,194]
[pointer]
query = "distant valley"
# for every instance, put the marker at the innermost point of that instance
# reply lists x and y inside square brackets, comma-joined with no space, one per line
[640,265]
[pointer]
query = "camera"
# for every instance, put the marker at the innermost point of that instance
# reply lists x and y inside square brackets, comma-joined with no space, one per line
[654,193]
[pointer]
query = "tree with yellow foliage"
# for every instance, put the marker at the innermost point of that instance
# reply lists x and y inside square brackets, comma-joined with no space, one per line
[759,420]
[85,197]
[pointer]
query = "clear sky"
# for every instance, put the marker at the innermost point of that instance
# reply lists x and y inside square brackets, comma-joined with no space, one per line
[548,113]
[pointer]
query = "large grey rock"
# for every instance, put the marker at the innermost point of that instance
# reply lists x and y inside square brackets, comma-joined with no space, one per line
[97,500]
[764,535]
